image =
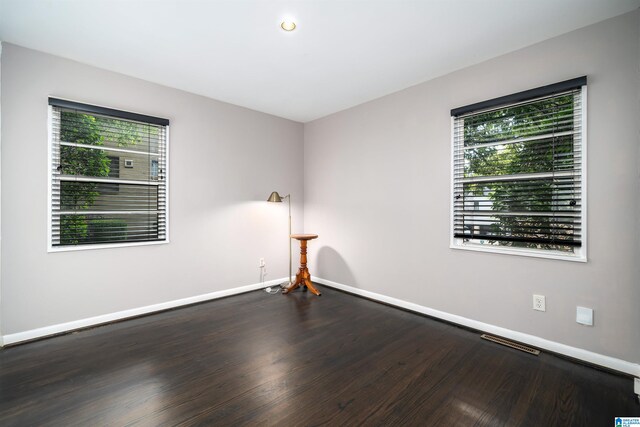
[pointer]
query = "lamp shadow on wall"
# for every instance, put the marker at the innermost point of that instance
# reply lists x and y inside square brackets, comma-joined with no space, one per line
[332,266]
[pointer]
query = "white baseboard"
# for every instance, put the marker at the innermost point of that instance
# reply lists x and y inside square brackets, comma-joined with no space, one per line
[556,347]
[120,315]
[574,352]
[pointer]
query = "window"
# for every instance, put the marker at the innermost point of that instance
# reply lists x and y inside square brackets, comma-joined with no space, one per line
[518,164]
[104,190]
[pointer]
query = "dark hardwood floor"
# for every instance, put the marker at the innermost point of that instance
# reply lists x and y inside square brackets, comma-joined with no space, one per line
[297,360]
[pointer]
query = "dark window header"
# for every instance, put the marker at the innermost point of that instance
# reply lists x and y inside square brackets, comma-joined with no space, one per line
[107,112]
[522,96]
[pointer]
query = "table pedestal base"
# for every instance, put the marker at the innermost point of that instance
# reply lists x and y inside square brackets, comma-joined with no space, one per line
[303,278]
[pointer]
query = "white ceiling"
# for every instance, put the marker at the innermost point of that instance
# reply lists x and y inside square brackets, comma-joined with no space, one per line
[343,53]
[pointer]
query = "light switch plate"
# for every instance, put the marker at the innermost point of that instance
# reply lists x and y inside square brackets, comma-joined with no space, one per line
[584,316]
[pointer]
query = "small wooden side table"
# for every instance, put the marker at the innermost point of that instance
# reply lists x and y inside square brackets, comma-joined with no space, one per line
[303,278]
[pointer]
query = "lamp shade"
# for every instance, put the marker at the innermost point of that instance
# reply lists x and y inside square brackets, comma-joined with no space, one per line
[274,197]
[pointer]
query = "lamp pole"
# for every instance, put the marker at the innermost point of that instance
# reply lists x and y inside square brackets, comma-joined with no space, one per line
[275,197]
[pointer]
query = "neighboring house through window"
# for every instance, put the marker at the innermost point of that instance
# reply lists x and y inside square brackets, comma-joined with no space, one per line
[105,189]
[518,173]
[154,169]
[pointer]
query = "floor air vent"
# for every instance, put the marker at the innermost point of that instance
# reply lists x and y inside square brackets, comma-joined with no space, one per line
[511,344]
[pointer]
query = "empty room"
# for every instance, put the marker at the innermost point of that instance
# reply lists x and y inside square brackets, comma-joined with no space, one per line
[320,212]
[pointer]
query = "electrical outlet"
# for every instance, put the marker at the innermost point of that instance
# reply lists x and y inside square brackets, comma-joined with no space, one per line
[539,303]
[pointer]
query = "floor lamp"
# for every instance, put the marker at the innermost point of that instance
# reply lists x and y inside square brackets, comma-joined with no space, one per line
[275,197]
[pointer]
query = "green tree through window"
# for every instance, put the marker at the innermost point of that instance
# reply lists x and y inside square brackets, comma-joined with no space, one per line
[79,128]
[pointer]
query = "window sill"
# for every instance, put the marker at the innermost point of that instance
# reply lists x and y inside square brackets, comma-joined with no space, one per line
[53,249]
[579,257]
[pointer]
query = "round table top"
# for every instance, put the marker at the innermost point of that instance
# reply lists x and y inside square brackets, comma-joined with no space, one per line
[304,236]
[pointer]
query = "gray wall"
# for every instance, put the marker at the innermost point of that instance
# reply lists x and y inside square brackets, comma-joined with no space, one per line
[224,162]
[377,191]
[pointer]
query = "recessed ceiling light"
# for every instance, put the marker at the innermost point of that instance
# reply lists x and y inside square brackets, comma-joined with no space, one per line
[288,25]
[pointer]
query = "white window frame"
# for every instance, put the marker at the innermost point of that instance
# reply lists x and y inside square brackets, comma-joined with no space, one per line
[579,254]
[53,249]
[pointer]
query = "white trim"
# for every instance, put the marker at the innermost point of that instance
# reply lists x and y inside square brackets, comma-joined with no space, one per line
[105,148]
[518,177]
[452,240]
[167,199]
[515,141]
[49,178]
[109,212]
[556,347]
[74,178]
[492,214]
[121,315]
[105,246]
[505,250]
[584,175]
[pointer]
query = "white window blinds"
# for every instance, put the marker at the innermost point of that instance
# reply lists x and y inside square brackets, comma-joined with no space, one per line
[108,176]
[517,170]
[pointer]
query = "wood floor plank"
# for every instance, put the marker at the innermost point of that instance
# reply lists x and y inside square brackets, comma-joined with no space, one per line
[260,359]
